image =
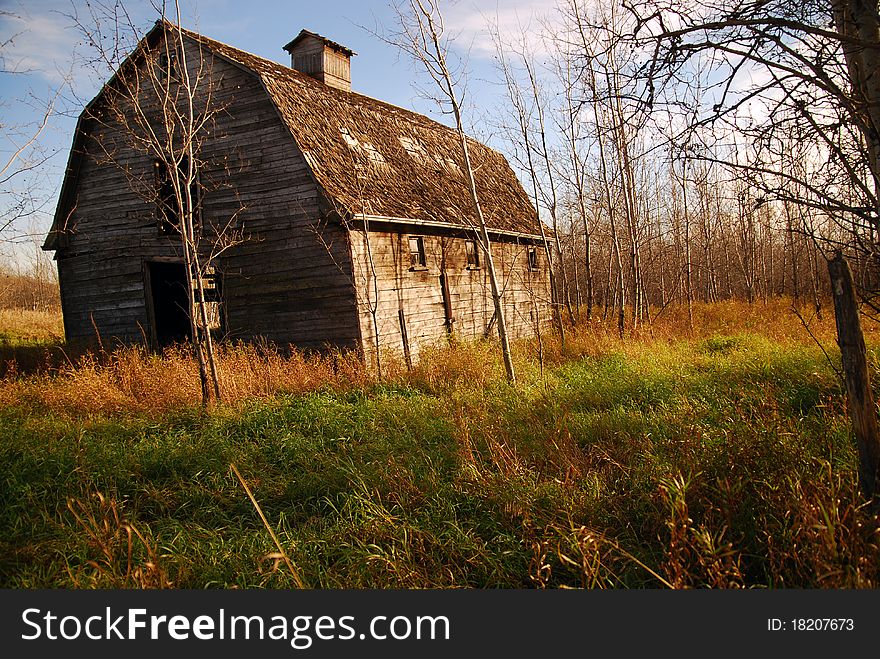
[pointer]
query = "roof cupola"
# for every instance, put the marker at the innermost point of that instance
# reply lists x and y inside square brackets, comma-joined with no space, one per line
[322,59]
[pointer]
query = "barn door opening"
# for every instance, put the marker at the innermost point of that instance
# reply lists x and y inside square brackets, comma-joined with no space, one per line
[169,302]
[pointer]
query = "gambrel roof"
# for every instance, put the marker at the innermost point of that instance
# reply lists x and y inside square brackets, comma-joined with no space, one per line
[373,158]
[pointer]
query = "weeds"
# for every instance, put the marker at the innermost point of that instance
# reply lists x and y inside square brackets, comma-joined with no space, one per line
[281,554]
[714,459]
[114,546]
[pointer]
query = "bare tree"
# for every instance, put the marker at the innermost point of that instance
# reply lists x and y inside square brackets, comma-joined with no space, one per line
[161,101]
[782,73]
[640,192]
[593,34]
[422,36]
[521,137]
[550,191]
[23,192]
[571,127]
[19,201]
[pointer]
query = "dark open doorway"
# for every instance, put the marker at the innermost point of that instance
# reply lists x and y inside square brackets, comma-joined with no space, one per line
[169,300]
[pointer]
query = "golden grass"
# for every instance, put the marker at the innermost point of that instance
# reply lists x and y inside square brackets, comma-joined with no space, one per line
[26,326]
[132,381]
[774,319]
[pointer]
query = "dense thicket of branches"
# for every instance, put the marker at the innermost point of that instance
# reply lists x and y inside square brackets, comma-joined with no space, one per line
[699,149]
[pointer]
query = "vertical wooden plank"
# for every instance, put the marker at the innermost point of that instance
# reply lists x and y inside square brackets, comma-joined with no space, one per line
[405,338]
[449,318]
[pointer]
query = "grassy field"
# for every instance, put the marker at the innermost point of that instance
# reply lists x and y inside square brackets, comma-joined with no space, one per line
[720,457]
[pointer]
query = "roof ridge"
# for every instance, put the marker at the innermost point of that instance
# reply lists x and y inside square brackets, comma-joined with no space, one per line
[378,168]
[285,70]
[320,37]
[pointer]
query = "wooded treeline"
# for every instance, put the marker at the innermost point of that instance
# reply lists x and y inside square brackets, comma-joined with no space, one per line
[678,157]
[688,240]
[708,149]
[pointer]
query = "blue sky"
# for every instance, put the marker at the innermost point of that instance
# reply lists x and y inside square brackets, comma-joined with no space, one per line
[45,42]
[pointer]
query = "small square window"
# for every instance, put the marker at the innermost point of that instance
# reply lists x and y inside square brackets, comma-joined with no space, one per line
[473,254]
[417,252]
[533,258]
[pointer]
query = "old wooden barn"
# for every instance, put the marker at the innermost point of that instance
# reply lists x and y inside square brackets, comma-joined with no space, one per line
[324,186]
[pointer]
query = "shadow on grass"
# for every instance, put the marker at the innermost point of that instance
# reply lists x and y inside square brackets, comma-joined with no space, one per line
[25,359]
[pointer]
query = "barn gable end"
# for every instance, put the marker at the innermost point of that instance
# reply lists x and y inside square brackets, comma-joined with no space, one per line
[281,284]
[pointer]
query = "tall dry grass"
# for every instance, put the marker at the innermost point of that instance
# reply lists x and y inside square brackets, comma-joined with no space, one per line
[26,326]
[775,319]
[718,456]
[131,380]
[36,291]
[122,557]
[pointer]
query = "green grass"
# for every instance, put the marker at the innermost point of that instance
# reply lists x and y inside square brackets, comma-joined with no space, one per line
[716,462]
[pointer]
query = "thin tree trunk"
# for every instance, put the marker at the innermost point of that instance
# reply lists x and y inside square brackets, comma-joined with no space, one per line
[814,275]
[475,199]
[553,203]
[606,184]
[522,118]
[374,303]
[188,231]
[689,284]
[589,266]
[609,296]
[577,278]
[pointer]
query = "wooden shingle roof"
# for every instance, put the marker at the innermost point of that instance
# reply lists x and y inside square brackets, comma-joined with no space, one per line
[308,33]
[369,157]
[379,159]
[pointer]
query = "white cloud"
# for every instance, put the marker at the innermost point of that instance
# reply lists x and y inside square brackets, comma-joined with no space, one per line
[515,19]
[41,43]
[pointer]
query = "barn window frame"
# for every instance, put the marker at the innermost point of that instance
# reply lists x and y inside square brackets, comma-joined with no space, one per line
[417,258]
[169,66]
[472,251]
[167,209]
[532,257]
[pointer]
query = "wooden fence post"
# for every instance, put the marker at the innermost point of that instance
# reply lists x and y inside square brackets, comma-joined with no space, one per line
[860,398]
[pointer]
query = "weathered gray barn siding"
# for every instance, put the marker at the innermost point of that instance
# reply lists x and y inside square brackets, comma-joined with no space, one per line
[419,293]
[293,160]
[281,283]
[101,261]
